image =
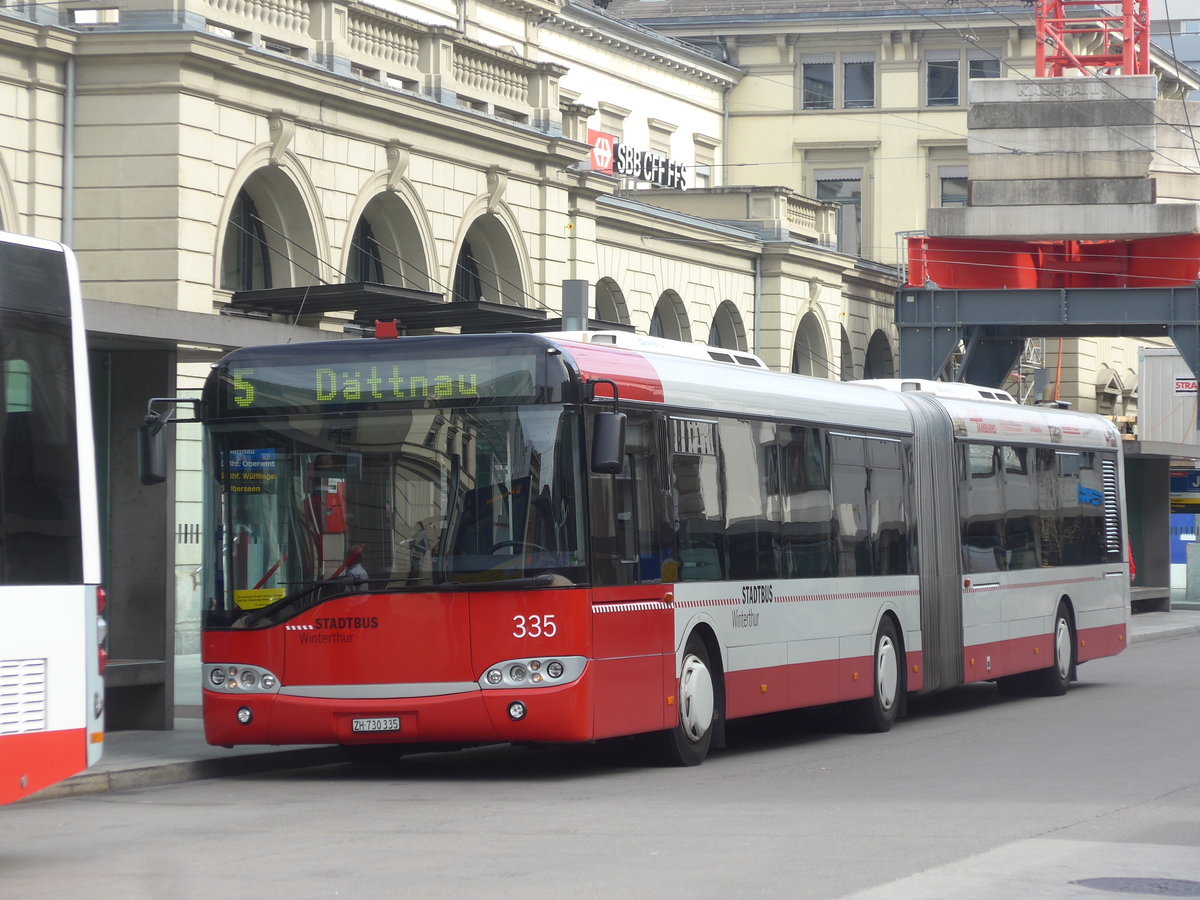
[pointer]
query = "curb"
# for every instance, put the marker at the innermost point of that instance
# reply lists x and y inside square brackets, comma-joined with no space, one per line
[159,774]
[1167,631]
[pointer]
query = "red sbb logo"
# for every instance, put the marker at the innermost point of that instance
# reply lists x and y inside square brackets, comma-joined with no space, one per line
[602,155]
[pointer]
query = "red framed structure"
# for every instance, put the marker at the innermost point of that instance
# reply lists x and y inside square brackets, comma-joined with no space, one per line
[1123,39]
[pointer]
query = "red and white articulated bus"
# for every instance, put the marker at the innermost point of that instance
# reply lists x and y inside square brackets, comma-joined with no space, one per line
[463,539]
[52,635]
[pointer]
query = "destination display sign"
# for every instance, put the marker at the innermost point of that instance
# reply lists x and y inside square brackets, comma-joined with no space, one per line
[251,388]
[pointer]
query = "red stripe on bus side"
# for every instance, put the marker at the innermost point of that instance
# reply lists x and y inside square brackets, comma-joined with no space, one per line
[636,378]
[1094,643]
[41,758]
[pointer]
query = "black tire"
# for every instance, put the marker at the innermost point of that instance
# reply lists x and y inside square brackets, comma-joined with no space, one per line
[878,712]
[1055,680]
[372,754]
[687,743]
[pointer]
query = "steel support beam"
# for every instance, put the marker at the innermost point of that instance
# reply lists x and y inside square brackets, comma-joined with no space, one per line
[995,323]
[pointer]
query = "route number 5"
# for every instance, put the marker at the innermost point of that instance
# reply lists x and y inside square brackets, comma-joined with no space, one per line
[534,626]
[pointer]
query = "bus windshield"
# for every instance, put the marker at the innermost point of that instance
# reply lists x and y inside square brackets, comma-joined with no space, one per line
[309,507]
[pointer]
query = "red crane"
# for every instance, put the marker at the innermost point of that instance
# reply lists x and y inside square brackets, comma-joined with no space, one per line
[1109,44]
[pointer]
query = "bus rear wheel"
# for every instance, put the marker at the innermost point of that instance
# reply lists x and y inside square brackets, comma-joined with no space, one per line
[687,743]
[878,712]
[1056,679]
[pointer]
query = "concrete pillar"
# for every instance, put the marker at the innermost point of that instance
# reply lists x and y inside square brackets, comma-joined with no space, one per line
[139,552]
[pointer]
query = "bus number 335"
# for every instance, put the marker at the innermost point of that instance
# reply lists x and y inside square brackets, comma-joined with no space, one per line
[534,626]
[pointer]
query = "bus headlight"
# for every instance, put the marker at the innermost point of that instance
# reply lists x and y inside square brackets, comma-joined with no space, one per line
[535,673]
[226,678]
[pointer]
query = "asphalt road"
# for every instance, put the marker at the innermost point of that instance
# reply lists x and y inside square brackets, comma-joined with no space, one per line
[973,796]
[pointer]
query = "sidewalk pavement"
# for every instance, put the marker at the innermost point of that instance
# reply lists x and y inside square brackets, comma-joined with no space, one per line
[137,759]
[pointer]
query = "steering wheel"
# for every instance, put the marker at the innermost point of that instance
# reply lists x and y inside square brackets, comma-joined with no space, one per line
[516,546]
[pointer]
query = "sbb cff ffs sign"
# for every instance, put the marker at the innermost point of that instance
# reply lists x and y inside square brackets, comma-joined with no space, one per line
[611,157]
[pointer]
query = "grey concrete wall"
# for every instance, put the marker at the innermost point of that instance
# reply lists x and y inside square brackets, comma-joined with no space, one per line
[141,553]
[1078,158]
[1147,492]
[1060,114]
[1041,191]
[1065,221]
[993,162]
[1049,90]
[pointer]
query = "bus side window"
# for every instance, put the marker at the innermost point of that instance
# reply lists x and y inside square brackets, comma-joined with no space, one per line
[807,503]
[888,497]
[982,510]
[1050,520]
[854,555]
[699,517]
[624,534]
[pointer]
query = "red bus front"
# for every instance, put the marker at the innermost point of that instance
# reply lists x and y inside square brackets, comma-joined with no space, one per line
[397,553]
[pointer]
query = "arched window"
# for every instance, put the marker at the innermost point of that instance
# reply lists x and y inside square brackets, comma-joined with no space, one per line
[467,284]
[245,255]
[366,259]
[879,360]
[808,350]
[726,330]
[847,364]
[667,321]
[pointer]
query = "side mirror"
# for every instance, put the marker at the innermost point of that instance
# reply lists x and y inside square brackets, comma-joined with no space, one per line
[608,443]
[152,452]
[152,444]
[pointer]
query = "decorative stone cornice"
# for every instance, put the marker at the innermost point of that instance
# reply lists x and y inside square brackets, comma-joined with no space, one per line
[634,40]
[282,129]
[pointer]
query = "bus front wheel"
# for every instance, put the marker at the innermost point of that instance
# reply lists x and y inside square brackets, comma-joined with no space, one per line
[687,743]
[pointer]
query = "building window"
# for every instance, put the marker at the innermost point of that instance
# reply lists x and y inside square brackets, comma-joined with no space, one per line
[612,119]
[660,135]
[983,67]
[855,90]
[952,185]
[817,75]
[705,154]
[468,286]
[941,81]
[844,187]
[859,83]
[366,260]
[245,255]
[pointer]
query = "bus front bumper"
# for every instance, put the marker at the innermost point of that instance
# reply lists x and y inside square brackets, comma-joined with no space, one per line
[546,714]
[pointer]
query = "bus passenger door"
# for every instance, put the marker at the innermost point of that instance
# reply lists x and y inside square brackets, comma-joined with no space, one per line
[633,654]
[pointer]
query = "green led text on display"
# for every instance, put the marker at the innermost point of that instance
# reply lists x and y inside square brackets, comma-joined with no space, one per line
[328,385]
